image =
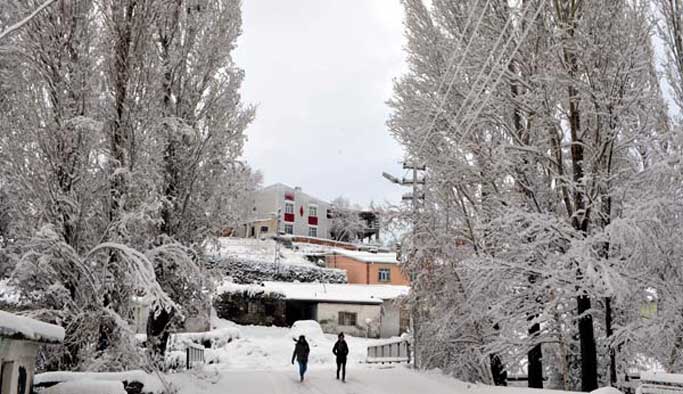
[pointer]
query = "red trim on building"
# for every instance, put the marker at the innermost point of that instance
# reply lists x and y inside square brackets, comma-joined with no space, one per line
[313,220]
[289,217]
[289,196]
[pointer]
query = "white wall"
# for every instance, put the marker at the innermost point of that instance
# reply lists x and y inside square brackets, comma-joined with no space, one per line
[328,315]
[13,355]
[268,200]
[391,319]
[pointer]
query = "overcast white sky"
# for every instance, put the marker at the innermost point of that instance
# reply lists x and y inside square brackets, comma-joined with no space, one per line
[320,72]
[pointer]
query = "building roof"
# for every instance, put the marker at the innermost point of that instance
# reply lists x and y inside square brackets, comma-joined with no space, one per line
[24,328]
[324,292]
[283,187]
[368,257]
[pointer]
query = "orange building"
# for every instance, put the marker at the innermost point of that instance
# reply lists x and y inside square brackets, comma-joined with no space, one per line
[368,268]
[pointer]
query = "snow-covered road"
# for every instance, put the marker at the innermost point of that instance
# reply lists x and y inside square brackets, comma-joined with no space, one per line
[318,381]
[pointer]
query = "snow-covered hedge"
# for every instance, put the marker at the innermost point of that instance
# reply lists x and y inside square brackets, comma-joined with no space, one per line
[250,304]
[251,271]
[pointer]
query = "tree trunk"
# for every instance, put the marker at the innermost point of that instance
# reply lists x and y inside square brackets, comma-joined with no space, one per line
[589,361]
[535,357]
[610,346]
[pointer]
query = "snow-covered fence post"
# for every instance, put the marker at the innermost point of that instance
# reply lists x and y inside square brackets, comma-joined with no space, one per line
[193,354]
[390,351]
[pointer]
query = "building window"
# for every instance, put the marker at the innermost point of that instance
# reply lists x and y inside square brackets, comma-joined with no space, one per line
[384,275]
[289,229]
[347,319]
[312,231]
[289,207]
[264,229]
[312,210]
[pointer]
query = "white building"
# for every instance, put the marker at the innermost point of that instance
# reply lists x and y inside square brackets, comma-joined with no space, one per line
[20,340]
[294,212]
[359,310]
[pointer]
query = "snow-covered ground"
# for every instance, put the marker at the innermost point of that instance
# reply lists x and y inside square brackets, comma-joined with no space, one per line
[256,250]
[270,348]
[285,381]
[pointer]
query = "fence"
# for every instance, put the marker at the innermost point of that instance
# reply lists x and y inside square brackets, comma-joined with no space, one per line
[193,354]
[396,351]
[660,383]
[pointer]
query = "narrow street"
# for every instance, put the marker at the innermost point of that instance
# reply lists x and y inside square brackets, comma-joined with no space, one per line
[364,380]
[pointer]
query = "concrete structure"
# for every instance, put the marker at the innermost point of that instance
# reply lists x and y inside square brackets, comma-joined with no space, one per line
[20,340]
[368,268]
[258,228]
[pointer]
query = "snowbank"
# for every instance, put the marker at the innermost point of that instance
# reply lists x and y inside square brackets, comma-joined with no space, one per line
[19,327]
[151,384]
[271,348]
[606,390]
[86,386]
[311,330]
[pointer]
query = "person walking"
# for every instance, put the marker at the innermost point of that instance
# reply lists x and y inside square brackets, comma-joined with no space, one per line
[341,350]
[301,350]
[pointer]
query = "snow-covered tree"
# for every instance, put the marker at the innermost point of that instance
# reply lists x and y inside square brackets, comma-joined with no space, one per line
[94,96]
[536,121]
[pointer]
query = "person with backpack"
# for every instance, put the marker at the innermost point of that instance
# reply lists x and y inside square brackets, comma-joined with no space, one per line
[341,351]
[301,351]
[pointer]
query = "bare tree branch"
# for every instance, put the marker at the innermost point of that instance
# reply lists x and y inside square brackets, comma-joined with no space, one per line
[24,21]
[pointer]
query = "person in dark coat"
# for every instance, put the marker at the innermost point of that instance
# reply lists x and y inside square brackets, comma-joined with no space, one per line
[341,350]
[301,350]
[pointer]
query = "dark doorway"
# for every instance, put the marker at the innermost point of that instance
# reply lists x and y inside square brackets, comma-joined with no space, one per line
[301,310]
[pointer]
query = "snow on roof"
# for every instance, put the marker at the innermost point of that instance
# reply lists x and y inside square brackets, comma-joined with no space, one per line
[86,386]
[368,257]
[324,292]
[24,328]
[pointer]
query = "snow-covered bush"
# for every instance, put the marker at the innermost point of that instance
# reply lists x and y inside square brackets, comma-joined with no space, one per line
[250,304]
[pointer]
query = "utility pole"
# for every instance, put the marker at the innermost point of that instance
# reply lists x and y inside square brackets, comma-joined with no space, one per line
[276,259]
[416,197]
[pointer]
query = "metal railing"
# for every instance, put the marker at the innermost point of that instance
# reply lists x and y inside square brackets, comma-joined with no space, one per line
[193,354]
[660,383]
[397,351]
